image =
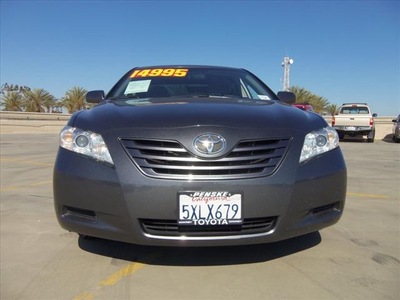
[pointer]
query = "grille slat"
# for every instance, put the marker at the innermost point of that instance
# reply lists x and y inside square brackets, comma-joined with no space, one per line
[169,159]
[159,149]
[171,228]
[206,168]
[191,159]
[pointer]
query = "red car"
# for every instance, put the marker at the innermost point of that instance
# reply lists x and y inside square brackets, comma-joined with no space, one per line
[304,106]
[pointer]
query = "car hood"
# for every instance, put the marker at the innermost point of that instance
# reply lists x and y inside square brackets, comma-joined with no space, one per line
[189,112]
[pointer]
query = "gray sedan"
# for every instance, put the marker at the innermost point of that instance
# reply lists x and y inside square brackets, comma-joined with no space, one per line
[197,156]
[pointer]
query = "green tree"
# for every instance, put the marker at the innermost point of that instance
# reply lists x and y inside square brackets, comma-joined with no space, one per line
[12,101]
[6,88]
[74,99]
[332,109]
[304,96]
[38,100]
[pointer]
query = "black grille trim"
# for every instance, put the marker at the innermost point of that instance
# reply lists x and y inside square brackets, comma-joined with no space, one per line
[172,229]
[79,214]
[169,159]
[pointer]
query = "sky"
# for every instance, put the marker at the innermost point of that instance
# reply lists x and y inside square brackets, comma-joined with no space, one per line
[344,51]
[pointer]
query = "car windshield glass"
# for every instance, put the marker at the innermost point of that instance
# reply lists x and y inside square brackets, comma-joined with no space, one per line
[190,82]
[354,110]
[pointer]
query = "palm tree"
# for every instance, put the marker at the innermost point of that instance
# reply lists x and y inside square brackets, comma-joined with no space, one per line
[304,96]
[332,109]
[6,88]
[12,101]
[74,99]
[38,100]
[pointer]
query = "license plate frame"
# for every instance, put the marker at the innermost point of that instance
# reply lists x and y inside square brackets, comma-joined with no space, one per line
[210,208]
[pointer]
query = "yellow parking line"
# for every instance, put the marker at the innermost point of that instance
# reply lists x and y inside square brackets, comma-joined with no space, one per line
[85,296]
[368,195]
[117,276]
[111,280]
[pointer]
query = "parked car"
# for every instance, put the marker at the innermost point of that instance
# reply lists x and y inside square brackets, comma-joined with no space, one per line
[304,106]
[197,156]
[355,119]
[396,129]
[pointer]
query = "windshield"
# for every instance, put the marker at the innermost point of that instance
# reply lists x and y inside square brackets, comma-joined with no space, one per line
[354,110]
[190,81]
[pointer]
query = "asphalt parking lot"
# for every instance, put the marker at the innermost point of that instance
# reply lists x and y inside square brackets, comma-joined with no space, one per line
[358,258]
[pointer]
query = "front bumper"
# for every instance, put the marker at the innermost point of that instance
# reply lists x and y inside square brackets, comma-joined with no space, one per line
[120,203]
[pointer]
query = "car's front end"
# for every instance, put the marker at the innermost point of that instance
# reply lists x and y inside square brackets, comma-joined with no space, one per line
[396,129]
[202,171]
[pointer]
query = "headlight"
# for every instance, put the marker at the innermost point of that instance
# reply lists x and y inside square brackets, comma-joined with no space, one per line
[318,142]
[86,143]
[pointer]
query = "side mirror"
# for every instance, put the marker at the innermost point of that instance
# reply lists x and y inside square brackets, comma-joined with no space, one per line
[374,115]
[287,97]
[95,96]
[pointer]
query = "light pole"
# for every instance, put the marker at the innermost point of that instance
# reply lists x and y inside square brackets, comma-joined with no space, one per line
[286,72]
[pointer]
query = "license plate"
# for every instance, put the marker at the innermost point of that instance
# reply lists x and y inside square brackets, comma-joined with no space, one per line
[210,208]
[350,128]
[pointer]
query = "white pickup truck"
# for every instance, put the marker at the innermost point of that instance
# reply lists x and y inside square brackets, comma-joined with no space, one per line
[355,119]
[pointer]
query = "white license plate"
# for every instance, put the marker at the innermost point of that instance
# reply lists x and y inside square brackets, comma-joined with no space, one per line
[350,128]
[210,208]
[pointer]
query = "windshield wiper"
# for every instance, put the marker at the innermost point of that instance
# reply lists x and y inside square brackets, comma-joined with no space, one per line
[209,96]
[223,96]
[127,96]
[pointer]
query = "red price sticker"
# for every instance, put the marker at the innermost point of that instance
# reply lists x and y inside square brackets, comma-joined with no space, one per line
[159,73]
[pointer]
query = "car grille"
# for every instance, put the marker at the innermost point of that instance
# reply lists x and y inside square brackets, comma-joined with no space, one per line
[171,228]
[169,159]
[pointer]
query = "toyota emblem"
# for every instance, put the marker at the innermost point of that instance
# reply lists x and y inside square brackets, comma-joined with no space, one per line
[209,143]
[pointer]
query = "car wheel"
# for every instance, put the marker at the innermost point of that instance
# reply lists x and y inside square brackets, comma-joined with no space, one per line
[371,136]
